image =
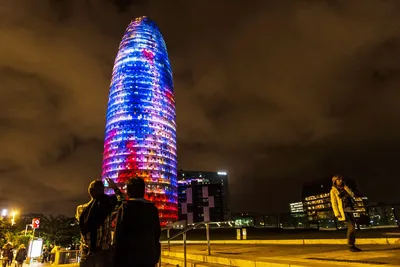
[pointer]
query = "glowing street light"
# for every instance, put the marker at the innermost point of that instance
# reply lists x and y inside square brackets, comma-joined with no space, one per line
[4,213]
[13,215]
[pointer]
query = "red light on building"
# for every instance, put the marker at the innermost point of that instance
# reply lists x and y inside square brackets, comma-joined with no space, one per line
[35,223]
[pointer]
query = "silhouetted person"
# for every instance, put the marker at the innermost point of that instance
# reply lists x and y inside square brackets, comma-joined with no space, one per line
[50,254]
[95,219]
[7,254]
[343,204]
[137,234]
[45,254]
[20,257]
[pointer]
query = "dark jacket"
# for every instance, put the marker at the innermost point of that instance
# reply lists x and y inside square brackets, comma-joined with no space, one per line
[95,221]
[137,237]
[7,252]
[21,255]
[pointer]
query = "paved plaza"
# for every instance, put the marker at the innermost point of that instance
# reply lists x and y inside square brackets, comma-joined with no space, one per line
[281,256]
[299,255]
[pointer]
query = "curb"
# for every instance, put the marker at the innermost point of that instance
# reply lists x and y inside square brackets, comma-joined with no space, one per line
[194,260]
[360,241]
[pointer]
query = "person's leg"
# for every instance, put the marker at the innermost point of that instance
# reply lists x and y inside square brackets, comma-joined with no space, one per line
[88,261]
[351,232]
[104,258]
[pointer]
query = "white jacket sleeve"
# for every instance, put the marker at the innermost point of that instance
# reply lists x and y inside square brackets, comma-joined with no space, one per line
[334,204]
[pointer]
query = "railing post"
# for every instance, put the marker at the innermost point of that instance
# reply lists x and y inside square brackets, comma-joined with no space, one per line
[184,249]
[169,242]
[208,239]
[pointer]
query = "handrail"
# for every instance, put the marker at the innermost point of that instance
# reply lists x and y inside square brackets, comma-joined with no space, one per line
[183,234]
[187,229]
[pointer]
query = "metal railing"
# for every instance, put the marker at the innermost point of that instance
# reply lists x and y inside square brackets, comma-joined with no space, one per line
[183,233]
[67,257]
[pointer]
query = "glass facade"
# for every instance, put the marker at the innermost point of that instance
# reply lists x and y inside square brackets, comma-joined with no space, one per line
[140,135]
[381,216]
[296,207]
[203,196]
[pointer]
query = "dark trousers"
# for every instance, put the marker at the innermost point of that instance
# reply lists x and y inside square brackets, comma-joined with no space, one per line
[351,229]
[99,259]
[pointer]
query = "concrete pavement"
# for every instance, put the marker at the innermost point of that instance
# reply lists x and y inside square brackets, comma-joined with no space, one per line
[290,255]
[287,234]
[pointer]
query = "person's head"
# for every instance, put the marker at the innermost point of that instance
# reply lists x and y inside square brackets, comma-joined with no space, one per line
[96,188]
[337,180]
[22,246]
[135,187]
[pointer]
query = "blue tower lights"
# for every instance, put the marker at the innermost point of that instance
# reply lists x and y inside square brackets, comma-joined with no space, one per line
[140,138]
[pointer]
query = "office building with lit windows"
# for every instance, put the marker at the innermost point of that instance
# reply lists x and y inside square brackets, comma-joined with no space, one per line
[296,207]
[317,202]
[203,196]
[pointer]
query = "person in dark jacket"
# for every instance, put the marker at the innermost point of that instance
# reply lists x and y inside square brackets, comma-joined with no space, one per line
[45,254]
[21,255]
[7,254]
[95,218]
[137,233]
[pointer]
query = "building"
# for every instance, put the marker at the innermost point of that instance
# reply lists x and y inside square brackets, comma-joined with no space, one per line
[203,196]
[296,207]
[140,134]
[317,201]
[383,214]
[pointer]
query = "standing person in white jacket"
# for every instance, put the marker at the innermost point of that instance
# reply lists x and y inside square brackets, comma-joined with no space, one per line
[343,204]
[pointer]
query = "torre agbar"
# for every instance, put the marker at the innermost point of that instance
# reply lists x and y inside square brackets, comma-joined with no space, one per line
[140,136]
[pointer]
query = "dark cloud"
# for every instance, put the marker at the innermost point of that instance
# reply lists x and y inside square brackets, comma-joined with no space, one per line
[275,92]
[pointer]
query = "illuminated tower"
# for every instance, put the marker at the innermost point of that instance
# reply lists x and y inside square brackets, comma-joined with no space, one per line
[140,136]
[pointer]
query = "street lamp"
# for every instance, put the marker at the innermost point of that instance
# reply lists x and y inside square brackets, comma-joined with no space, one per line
[26,228]
[4,213]
[13,213]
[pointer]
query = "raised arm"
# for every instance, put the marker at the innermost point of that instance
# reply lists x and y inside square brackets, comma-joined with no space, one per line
[120,196]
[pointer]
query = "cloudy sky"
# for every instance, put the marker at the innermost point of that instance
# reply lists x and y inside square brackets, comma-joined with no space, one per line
[274,92]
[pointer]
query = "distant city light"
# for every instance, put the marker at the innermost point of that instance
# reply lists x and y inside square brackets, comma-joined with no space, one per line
[222,173]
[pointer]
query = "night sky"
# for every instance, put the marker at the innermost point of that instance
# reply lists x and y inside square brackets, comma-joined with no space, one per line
[274,92]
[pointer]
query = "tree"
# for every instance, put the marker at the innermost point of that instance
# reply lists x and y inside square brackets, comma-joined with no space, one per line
[4,231]
[13,234]
[59,230]
[18,238]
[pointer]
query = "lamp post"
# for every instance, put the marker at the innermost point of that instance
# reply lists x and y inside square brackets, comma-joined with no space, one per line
[26,228]
[14,214]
